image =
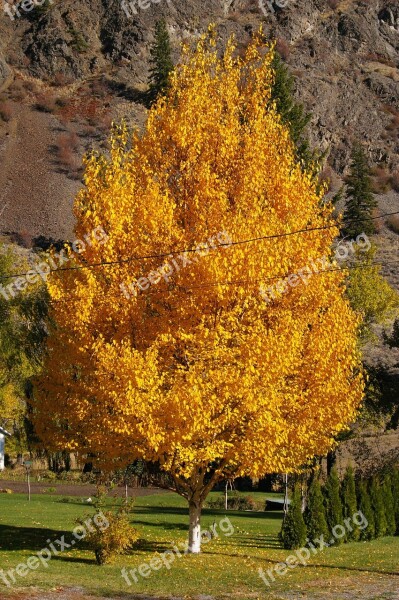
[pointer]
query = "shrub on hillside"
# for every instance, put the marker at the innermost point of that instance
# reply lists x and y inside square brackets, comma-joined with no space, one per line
[393,223]
[395,181]
[6,111]
[67,145]
[381,181]
[60,79]
[17,90]
[378,222]
[283,48]
[46,102]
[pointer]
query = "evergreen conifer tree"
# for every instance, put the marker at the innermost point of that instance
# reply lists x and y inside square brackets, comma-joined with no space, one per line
[292,113]
[377,503]
[338,196]
[349,503]
[395,493]
[161,60]
[360,200]
[315,514]
[389,505]
[364,504]
[393,340]
[293,531]
[333,501]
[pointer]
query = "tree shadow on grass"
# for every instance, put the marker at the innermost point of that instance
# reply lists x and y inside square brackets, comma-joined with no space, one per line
[248,514]
[35,539]
[75,559]
[163,524]
[270,542]
[356,569]
[29,538]
[143,545]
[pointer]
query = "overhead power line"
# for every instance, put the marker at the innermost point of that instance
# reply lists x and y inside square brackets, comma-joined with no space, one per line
[154,290]
[194,250]
[280,277]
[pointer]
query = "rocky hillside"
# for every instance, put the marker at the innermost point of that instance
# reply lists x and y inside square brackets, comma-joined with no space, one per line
[68,68]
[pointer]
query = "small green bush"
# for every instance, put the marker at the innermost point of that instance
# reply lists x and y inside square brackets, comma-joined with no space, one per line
[114,536]
[235,502]
[78,42]
[68,476]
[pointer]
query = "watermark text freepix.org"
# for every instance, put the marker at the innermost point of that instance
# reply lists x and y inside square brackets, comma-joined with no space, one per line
[165,559]
[52,263]
[175,264]
[138,4]
[323,264]
[302,555]
[42,558]
[13,9]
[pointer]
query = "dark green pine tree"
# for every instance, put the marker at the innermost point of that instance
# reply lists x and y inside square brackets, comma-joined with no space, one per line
[293,114]
[293,531]
[377,504]
[395,493]
[349,503]
[393,340]
[338,196]
[315,514]
[360,200]
[364,504]
[161,61]
[389,504]
[334,510]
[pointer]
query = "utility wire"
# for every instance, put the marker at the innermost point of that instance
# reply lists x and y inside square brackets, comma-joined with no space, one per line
[274,277]
[192,250]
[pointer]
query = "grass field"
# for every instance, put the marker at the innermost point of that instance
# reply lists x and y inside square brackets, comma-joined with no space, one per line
[228,566]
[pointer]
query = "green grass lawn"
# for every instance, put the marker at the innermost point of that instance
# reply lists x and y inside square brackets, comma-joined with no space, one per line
[228,566]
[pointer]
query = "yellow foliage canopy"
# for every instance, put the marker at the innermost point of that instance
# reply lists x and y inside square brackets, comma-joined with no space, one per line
[199,370]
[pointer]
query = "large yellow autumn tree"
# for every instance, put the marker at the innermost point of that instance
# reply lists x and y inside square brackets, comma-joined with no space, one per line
[178,359]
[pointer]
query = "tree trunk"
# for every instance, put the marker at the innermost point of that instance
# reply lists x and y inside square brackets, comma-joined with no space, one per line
[331,460]
[194,535]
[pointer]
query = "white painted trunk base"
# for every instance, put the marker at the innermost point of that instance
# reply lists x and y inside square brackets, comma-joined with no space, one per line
[194,535]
